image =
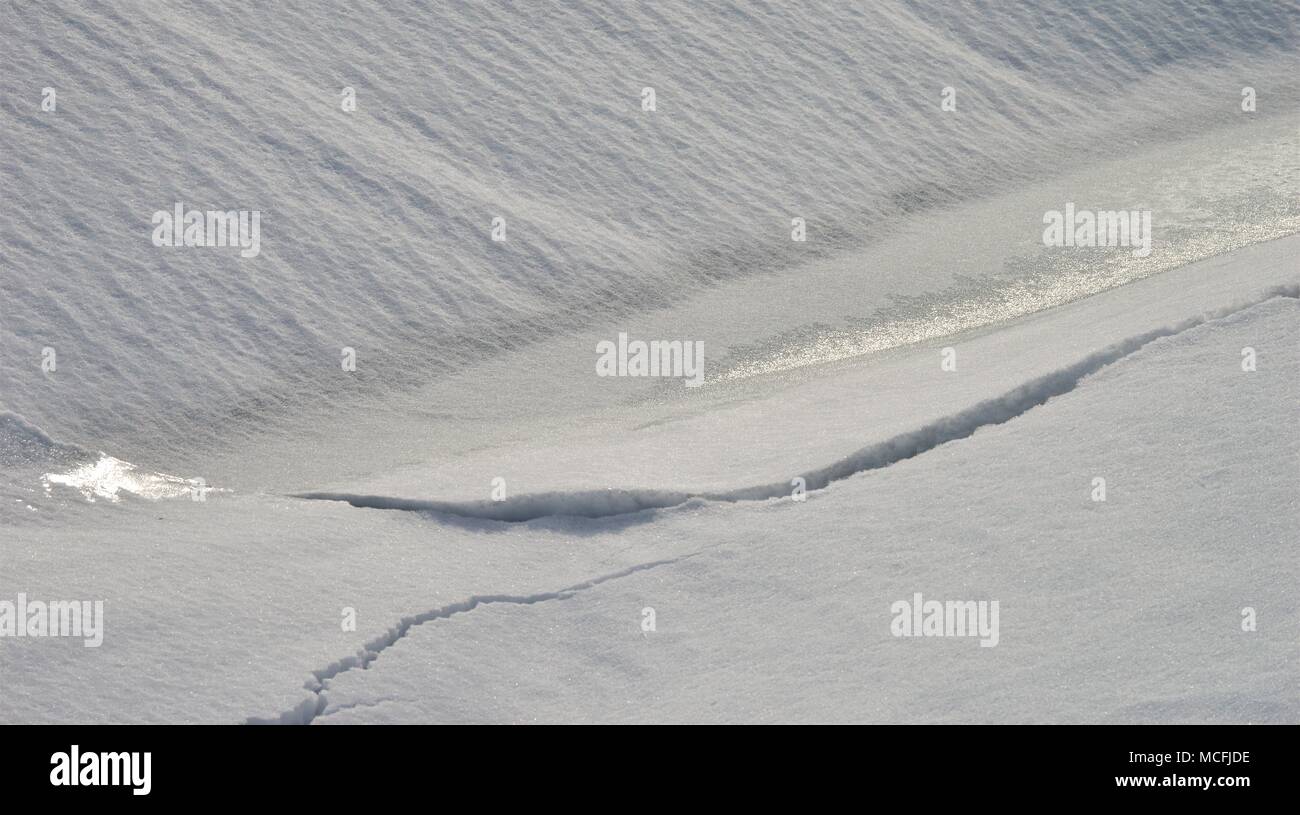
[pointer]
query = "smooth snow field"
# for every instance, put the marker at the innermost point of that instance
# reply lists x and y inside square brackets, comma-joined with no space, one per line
[931,467]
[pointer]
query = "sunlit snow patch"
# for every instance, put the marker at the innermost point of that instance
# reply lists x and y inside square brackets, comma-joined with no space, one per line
[109,476]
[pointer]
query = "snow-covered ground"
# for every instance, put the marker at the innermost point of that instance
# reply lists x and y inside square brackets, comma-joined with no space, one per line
[1122,611]
[369,493]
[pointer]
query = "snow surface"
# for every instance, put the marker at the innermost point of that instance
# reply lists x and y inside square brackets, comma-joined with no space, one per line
[371,490]
[1123,611]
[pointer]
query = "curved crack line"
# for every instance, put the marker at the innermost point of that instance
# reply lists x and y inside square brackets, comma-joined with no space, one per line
[312,707]
[610,503]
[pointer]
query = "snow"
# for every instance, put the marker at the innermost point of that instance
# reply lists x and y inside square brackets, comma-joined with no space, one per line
[192,373]
[1122,611]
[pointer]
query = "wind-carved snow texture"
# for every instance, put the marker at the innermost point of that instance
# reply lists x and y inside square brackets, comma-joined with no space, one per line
[314,705]
[377,219]
[614,502]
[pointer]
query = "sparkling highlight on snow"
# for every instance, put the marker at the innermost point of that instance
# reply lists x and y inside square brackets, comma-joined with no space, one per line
[109,476]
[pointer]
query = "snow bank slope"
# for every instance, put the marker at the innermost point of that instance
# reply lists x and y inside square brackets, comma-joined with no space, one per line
[375,230]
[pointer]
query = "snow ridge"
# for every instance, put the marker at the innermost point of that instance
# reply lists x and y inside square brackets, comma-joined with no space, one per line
[23,442]
[314,705]
[613,502]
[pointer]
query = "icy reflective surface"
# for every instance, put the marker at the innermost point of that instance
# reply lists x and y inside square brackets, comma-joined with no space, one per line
[109,476]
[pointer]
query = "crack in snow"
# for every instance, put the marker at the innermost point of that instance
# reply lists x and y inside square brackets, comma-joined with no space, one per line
[609,503]
[314,705]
